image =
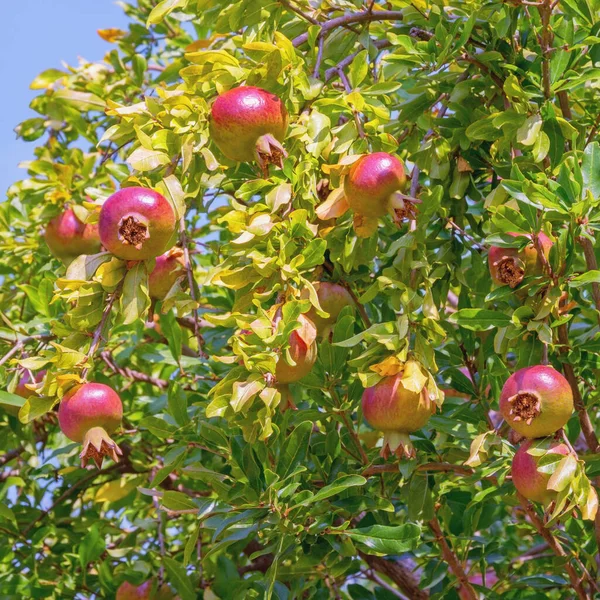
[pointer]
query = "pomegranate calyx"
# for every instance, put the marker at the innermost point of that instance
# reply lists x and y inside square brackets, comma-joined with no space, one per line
[96,445]
[511,270]
[269,151]
[398,443]
[133,231]
[526,406]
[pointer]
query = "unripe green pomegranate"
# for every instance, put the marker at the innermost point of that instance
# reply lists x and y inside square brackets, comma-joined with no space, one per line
[67,237]
[248,123]
[303,351]
[89,413]
[333,297]
[525,475]
[137,224]
[536,401]
[396,411]
[372,184]
[509,266]
[169,268]
[129,591]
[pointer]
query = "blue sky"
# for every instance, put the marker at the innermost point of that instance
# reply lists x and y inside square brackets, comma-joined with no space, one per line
[38,35]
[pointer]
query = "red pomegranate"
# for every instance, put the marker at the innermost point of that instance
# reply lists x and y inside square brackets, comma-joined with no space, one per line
[169,268]
[396,411]
[333,297]
[89,413]
[525,475]
[67,237]
[372,184]
[509,266]
[536,401]
[248,123]
[303,352]
[137,224]
[145,591]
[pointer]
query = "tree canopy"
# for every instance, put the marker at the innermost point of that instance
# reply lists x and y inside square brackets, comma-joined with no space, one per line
[249,466]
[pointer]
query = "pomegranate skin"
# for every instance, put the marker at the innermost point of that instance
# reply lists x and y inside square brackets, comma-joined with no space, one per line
[128,591]
[333,297]
[242,115]
[136,224]
[67,237]
[169,267]
[389,406]
[525,476]
[303,354]
[536,401]
[508,266]
[372,180]
[87,406]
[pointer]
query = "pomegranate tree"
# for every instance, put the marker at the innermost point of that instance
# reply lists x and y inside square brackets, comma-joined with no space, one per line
[509,266]
[391,407]
[89,413]
[528,480]
[536,401]
[67,237]
[137,224]
[168,269]
[248,123]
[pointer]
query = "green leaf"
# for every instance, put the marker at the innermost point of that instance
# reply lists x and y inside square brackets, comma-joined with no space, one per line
[177,401]
[177,501]
[83,101]
[135,300]
[590,169]
[384,540]
[564,473]
[585,278]
[143,159]
[35,407]
[478,319]
[359,68]
[295,449]
[158,427]
[343,483]
[162,9]
[179,579]
[44,79]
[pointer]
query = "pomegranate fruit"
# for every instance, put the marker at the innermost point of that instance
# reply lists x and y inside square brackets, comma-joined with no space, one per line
[536,401]
[509,266]
[373,184]
[525,475]
[303,352]
[248,123]
[169,268]
[67,237]
[396,411]
[333,297]
[145,591]
[136,224]
[25,380]
[89,413]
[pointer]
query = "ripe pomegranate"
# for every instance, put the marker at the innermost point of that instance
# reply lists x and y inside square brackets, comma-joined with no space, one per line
[26,379]
[129,591]
[397,411]
[248,123]
[372,186]
[136,224]
[333,297]
[169,268]
[536,401]
[525,475]
[67,237]
[89,413]
[508,266]
[303,351]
